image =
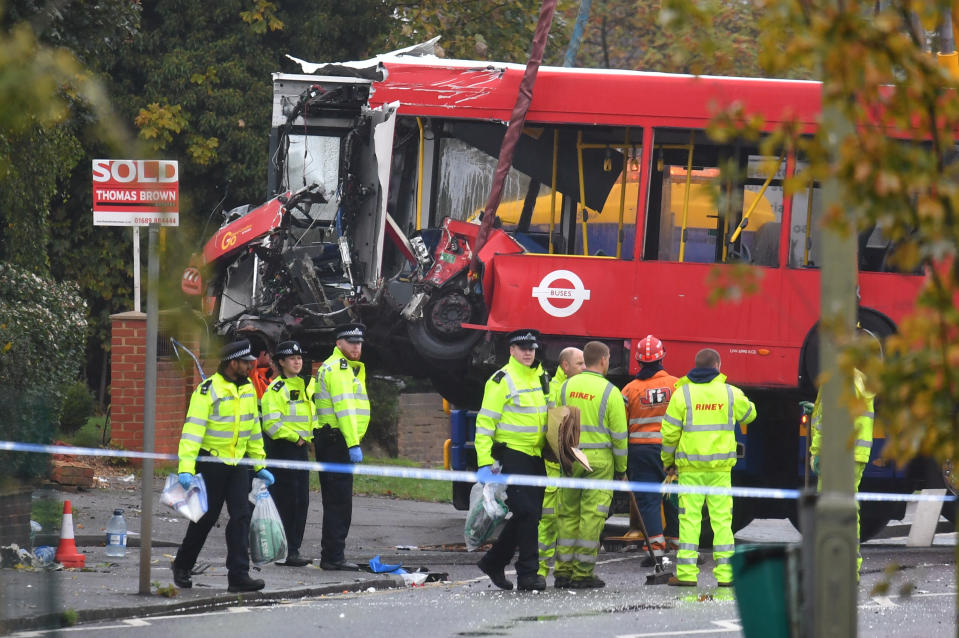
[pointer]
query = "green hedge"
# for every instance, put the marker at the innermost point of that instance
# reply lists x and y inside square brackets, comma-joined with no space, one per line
[42,332]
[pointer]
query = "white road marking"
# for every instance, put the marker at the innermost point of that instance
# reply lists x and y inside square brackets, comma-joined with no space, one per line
[722,626]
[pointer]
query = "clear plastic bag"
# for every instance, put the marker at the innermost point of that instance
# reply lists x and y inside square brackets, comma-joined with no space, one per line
[189,503]
[267,538]
[487,510]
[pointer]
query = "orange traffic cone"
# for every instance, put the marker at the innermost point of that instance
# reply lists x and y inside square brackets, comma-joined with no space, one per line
[67,553]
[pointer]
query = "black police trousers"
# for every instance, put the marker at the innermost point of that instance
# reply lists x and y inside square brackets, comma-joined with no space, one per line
[224,483]
[291,491]
[521,531]
[337,493]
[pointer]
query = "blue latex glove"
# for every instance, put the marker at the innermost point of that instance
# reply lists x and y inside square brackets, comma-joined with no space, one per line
[186,480]
[356,454]
[267,476]
[484,474]
[815,464]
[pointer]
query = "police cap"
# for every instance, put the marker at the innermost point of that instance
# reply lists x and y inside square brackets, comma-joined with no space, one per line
[352,332]
[239,349]
[525,338]
[288,349]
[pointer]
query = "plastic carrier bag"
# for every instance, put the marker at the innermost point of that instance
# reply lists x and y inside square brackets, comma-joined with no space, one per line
[267,538]
[189,503]
[487,510]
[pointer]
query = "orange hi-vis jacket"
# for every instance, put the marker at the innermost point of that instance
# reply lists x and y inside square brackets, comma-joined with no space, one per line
[646,401]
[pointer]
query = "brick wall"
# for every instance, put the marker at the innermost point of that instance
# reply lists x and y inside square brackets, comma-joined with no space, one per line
[128,366]
[423,428]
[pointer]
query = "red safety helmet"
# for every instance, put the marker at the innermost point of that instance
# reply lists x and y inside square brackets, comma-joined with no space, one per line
[650,349]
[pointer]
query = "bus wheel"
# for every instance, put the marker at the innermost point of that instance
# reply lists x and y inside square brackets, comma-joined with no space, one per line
[439,335]
[872,320]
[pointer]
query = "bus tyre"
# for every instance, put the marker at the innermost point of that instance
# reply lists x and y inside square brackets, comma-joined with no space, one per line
[869,319]
[439,335]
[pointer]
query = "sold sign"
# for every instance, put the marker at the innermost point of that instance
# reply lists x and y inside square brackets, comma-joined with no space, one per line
[135,192]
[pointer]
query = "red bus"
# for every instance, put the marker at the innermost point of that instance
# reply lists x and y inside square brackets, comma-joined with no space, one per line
[616,222]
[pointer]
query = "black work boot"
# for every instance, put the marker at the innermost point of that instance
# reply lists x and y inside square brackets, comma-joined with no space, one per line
[561,582]
[293,559]
[590,582]
[496,575]
[531,583]
[244,583]
[181,578]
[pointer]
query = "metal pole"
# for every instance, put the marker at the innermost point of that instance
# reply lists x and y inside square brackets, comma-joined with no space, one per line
[136,269]
[149,411]
[836,543]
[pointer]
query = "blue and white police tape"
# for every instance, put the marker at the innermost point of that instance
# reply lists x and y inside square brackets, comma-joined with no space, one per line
[453,475]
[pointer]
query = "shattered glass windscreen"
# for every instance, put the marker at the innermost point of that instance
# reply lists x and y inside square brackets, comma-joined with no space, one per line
[312,159]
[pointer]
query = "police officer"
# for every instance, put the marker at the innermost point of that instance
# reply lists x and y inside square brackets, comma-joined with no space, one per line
[602,438]
[699,443]
[863,425]
[288,420]
[511,426]
[222,421]
[342,416]
[570,364]
[646,399]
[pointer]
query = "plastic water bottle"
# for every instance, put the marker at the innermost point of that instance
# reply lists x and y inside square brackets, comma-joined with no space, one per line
[117,535]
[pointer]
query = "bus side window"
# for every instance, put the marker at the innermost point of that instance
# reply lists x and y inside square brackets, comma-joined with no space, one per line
[804,244]
[700,206]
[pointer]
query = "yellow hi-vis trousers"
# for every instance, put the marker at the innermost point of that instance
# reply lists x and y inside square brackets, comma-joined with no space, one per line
[582,515]
[548,522]
[691,521]
[860,468]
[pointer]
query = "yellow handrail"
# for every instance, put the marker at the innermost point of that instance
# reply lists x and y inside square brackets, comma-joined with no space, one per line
[749,211]
[419,177]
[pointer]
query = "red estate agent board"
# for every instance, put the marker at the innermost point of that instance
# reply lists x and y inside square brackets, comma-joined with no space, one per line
[135,192]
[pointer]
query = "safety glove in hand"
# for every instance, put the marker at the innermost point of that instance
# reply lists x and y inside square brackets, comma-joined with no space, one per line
[356,454]
[186,480]
[814,463]
[484,474]
[267,476]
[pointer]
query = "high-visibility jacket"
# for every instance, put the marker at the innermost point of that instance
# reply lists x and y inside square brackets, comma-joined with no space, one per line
[340,397]
[699,428]
[223,418]
[513,411]
[646,401]
[288,410]
[602,415]
[555,385]
[863,422]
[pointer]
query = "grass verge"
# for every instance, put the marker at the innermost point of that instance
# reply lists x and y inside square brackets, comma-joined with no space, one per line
[402,488]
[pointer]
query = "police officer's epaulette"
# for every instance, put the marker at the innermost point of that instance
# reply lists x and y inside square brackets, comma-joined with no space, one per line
[205,386]
[499,376]
[343,364]
[278,386]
